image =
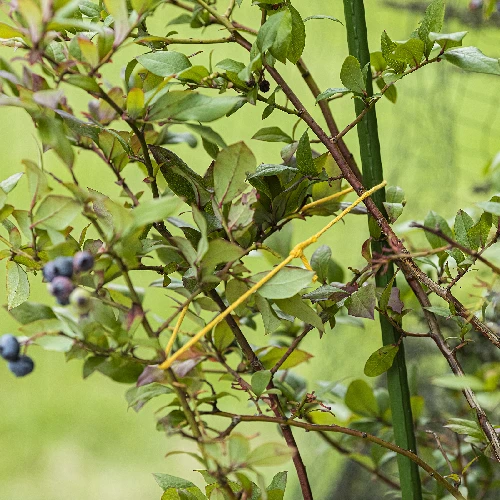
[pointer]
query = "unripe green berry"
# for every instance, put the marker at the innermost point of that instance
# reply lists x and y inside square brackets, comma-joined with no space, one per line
[80,299]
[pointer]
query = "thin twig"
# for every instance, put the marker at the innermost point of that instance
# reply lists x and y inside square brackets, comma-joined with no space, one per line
[350,432]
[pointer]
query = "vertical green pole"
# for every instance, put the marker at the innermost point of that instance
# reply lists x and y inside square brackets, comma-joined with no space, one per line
[369,146]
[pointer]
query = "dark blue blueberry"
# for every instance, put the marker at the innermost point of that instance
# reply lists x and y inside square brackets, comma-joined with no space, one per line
[22,366]
[49,271]
[64,266]
[9,347]
[83,261]
[61,266]
[61,288]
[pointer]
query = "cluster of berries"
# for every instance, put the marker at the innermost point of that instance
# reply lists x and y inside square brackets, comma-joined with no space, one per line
[19,364]
[59,273]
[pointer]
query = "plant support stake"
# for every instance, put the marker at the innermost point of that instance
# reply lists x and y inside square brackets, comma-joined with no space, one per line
[371,160]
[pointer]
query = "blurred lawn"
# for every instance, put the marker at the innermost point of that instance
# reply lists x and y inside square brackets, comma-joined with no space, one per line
[66,438]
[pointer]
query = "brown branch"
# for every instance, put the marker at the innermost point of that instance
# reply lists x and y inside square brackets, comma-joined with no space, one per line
[274,401]
[473,253]
[350,432]
[292,348]
[328,116]
[450,356]
[344,451]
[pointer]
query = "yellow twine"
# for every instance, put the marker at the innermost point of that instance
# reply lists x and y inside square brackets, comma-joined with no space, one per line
[296,252]
[326,199]
[174,335]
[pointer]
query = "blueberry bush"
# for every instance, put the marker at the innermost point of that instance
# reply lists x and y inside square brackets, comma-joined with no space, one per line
[195,232]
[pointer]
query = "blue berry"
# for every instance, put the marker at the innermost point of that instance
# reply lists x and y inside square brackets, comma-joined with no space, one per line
[49,271]
[61,266]
[83,261]
[61,288]
[64,266]
[22,366]
[9,347]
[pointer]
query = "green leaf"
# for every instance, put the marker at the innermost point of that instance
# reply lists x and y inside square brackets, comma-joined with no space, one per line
[377,61]
[181,179]
[265,170]
[492,207]
[275,35]
[153,210]
[230,171]
[269,454]
[320,261]
[166,481]
[194,74]
[276,490]
[7,31]
[466,427]
[435,221]
[269,316]
[28,312]
[164,63]
[298,40]
[272,134]
[53,134]
[295,306]
[260,381]
[55,343]
[56,212]
[222,336]
[201,222]
[440,311]
[118,9]
[395,202]
[325,292]
[230,65]
[463,224]
[360,399]
[459,383]
[481,230]
[320,16]
[189,105]
[239,448]
[18,287]
[84,82]
[135,103]
[37,181]
[432,22]
[330,92]
[448,40]
[219,252]
[208,134]
[121,370]
[305,162]
[10,183]
[388,46]
[287,283]
[410,52]
[326,188]
[362,303]
[381,360]
[273,355]
[351,75]
[137,397]
[472,59]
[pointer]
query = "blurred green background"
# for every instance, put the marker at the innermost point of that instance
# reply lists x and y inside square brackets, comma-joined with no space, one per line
[62,437]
